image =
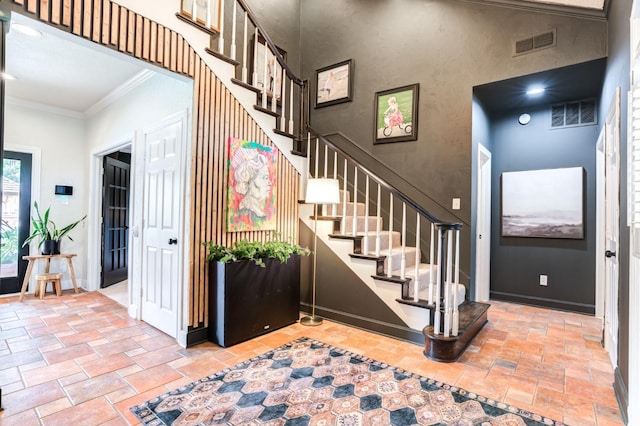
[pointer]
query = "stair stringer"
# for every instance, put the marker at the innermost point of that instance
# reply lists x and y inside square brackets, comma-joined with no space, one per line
[416,318]
[224,71]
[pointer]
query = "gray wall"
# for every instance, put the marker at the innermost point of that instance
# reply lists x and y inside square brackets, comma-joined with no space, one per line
[517,263]
[283,26]
[446,46]
[617,75]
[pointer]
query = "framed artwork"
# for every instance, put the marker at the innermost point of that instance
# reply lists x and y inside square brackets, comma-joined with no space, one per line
[203,12]
[396,115]
[543,203]
[334,84]
[273,70]
[251,194]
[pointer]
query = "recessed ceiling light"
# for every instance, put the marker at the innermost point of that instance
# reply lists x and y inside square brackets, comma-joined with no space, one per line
[25,29]
[5,76]
[537,90]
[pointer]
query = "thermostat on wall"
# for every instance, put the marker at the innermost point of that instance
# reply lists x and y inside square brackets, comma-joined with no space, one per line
[64,190]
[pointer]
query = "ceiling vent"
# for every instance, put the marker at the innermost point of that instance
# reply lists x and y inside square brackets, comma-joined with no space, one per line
[578,113]
[535,43]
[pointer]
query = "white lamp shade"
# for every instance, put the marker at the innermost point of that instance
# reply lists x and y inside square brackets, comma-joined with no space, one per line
[322,191]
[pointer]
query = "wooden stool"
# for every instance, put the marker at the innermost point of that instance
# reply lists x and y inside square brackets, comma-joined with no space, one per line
[41,284]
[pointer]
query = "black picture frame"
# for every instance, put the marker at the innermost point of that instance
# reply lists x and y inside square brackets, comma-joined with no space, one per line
[399,124]
[334,84]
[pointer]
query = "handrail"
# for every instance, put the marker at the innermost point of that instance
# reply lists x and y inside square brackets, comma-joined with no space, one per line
[271,44]
[432,218]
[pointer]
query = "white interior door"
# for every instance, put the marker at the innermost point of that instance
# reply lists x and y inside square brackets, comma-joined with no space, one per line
[161,239]
[612,225]
[483,226]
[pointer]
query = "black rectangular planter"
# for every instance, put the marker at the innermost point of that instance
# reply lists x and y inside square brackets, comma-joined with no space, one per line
[246,300]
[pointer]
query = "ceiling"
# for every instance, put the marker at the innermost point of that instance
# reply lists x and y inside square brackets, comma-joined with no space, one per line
[571,83]
[70,76]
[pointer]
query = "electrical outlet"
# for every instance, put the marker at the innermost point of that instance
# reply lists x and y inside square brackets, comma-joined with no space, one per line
[543,280]
[455,205]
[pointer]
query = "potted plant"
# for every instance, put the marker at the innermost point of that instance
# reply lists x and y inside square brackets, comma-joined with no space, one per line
[254,288]
[48,232]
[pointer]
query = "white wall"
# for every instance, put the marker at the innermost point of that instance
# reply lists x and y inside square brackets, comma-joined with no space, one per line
[60,142]
[153,100]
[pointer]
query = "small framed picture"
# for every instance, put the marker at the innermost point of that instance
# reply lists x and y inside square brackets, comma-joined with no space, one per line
[396,114]
[334,84]
[203,12]
[273,69]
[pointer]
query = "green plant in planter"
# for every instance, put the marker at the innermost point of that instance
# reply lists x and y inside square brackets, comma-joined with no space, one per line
[254,251]
[46,230]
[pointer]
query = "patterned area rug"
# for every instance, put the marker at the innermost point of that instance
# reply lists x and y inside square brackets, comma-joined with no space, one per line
[307,382]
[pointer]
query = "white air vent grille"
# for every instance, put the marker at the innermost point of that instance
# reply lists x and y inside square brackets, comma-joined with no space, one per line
[535,43]
[570,114]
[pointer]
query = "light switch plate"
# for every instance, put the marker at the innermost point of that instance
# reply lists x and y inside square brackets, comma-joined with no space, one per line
[455,205]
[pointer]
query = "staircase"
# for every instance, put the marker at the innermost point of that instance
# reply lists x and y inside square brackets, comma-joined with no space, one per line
[412,255]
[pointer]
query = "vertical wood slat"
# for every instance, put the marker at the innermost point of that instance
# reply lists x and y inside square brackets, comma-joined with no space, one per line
[76,17]
[197,188]
[205,78]
[153,49]
[211,190]
[139,37]
[87,17]
[66,13]
[217,115]
[56,11]
[106,22]
[131,31]
[32,6]
[122,27]
[115,24]
[160,49]
[146,38]
[97,21]
[180,54]
[166,58]
[44,10]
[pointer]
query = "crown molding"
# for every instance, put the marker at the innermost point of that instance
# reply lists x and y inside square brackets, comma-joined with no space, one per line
[119,92]
[37,106]
[554,9]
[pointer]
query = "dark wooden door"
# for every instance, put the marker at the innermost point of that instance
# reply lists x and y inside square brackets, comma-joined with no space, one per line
[16,212]
[115,216]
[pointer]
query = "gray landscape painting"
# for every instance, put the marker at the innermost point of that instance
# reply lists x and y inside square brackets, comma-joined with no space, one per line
[543,203]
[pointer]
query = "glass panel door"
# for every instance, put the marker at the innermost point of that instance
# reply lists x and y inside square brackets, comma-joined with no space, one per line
[16,203]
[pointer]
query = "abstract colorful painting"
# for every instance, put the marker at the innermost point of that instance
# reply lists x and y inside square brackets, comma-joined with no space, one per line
[251,195]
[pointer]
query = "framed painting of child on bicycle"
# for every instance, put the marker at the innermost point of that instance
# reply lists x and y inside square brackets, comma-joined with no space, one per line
[397,114]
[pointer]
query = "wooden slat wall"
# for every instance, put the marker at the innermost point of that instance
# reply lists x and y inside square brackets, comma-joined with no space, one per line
[217,116]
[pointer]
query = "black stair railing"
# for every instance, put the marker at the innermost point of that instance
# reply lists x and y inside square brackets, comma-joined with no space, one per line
[389,227]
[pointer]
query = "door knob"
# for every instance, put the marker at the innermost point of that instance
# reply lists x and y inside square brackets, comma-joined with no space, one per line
[173,241]
[610,253]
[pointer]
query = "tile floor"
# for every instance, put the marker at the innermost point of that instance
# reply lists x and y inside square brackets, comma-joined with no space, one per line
[80,360]
[118,292]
